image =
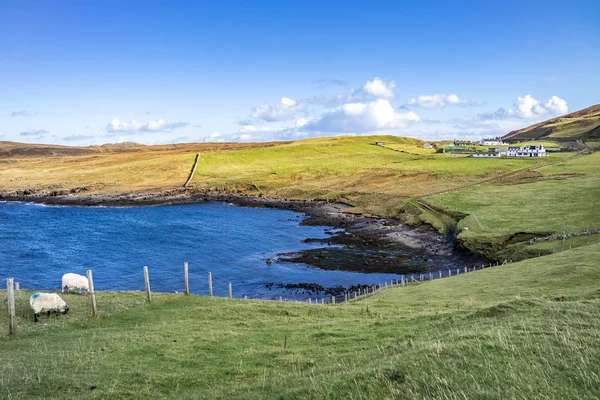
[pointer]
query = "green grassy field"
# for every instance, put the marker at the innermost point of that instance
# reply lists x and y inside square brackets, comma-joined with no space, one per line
[376,180]
[524,330]
[562,195]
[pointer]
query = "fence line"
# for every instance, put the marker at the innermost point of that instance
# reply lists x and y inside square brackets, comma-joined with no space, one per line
[349,295]
[92,293]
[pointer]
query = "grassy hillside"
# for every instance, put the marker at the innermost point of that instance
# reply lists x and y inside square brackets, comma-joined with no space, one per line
[377,180]
[582,124]
[525,330]
[537,203]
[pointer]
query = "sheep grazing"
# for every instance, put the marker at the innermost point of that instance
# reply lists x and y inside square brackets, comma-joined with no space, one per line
[72,282]
[47,302]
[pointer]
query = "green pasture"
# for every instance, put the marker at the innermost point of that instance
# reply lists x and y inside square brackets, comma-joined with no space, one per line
[523,330]
[565,195]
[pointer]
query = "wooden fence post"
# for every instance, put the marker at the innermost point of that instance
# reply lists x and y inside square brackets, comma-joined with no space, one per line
[466,270]
[210,284]
[332,299]
[230,291]
[457,271]
[245,297]
[430,276]
[10,288]
[147,280]
[186,282]
[440,273]
[449,272]
[92,293]
[280,298]
[17,286]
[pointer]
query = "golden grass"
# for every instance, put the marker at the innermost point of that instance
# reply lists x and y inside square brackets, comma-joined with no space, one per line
[351,169]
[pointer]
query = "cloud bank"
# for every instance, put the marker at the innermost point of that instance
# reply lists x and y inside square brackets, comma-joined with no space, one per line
[134,126]
[439,101]
[362,118]
[527,108]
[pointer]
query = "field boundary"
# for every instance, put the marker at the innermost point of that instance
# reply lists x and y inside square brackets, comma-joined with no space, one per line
[143,280]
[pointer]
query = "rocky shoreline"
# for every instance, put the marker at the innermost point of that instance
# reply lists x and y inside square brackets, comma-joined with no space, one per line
[365,245]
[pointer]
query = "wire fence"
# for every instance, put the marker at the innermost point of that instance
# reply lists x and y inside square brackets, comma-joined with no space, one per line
[145,286]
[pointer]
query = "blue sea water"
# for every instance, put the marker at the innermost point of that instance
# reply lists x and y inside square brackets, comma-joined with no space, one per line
[38,244]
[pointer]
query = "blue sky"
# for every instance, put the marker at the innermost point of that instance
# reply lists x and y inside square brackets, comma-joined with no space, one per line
[93,72]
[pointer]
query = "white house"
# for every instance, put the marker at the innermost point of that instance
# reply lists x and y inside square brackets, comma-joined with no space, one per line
[527,151]
[497,141]
[486,155]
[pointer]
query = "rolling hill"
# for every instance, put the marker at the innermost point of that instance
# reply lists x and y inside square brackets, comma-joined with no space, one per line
[582,124]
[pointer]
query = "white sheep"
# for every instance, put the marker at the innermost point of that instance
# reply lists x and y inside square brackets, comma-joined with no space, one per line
[72,282]
[47,302]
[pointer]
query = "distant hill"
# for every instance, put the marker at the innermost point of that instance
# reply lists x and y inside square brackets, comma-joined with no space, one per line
[15,149]
[582,124]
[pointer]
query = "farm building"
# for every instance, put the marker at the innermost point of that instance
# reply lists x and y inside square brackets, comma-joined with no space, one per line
[527,151]
[497,141]
[486,155]
[428,146]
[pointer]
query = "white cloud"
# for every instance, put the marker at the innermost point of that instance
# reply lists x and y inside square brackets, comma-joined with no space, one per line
[134,126]
[556,105]
[437,101]
[379,88]
[289,109]
[465,128]
[244,137]
[361,118]
[300,122]
[283,111]
[248,128]
[285,102]
[528,107]
[214,137]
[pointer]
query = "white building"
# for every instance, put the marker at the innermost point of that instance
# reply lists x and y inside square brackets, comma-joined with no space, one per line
[497,141]
[486,155]
[527,151]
